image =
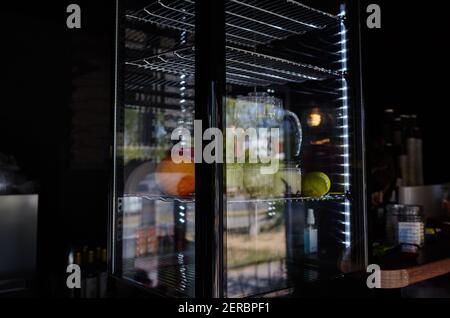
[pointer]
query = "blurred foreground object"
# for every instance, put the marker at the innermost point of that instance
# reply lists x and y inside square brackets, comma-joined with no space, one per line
[18,240]
[12,181]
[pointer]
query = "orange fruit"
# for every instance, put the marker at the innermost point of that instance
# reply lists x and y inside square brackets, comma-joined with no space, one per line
[175,179]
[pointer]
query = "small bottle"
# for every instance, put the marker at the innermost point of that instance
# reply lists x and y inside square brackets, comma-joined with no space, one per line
[98,267]
[85,262]
[404,159]
[78,259]
[91,277]
[411,149]
[388,128]
[398,151]
[98,257]
[85,254]
[310,234]
[103,275]
[79,293]
[418,155]
[71,261]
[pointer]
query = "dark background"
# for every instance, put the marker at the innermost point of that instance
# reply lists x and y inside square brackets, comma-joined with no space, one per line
[405,63]
[64,143]
[60,139]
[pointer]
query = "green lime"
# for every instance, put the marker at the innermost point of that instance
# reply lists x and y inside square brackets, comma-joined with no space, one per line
[315,184]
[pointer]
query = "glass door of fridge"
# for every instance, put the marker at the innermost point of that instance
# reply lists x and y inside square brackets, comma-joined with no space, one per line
[286,207]
[154,202]
[291,146]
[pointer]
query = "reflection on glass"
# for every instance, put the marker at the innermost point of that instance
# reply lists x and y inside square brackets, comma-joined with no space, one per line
[256,233]
[160,252]
[293,225]
[158,225]
[157,245]
[315,118]
[256,248]
[279,76]
[290,226]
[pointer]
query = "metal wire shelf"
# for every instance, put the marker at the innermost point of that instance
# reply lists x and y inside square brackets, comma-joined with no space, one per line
[142,80]
[162,198]
[191,199]
[244,67]
[248,22]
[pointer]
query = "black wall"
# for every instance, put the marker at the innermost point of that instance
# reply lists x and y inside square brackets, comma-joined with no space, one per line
[57,139]
[405,63]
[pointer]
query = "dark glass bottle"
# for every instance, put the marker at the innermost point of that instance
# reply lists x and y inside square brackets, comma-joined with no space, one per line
[389,151]
[103,275]
[403,159]
[398,152]
[414,148]
[388,128]
[91,277]
[78,260]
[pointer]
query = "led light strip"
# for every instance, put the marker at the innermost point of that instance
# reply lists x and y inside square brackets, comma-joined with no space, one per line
[345,129]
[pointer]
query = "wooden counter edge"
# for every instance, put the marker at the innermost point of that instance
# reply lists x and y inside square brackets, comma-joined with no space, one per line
[401,278]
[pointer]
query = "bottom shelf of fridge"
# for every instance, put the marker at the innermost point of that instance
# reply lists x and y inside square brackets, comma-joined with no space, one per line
[264,244]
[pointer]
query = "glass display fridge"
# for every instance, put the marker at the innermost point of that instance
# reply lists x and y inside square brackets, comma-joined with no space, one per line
[269,211]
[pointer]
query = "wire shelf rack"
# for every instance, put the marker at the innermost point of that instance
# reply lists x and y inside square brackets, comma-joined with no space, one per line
[248,22]
[244,67]
[142,80]
[162,198]
[336,197]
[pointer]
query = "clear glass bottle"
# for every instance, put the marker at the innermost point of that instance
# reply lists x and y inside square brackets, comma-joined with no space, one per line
[392,215]
[310,234]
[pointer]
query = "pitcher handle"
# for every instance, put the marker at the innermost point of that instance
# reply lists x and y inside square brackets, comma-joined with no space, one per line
[298,131]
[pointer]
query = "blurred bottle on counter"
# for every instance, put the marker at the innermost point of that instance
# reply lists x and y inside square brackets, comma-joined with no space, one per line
[410,158]
[98,256]
[101,272]
[388,128]
[399,154]
[411,153]
[85,254]
[390,152]
[74,258]
[415,154]
[91,277]
[409,150]
[84,261]
[383,173]
[396,162]
[77,292]
[103,275]
[94,273]
[403,158]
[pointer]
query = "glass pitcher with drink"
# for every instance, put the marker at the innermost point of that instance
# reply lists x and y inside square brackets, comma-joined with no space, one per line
[249,114]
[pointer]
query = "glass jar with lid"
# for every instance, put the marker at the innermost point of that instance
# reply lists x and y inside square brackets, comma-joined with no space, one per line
[393,212]
[411,225]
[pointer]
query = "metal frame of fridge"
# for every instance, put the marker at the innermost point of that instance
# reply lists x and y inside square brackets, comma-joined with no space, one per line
[210,84]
